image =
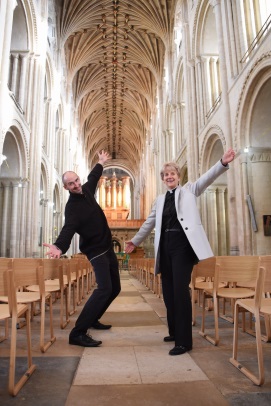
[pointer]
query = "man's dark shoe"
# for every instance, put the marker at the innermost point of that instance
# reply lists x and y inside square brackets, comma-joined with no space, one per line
[84,341]
[99,326]
[179,349]
[167,339]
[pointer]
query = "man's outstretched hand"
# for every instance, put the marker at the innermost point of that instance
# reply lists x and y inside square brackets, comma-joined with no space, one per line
[53,252]
[103,156]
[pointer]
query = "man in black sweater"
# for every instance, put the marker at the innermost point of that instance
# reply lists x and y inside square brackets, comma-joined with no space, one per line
[84,216]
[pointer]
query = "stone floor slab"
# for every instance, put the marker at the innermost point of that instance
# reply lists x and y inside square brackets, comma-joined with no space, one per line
[201,393]
[132,336]
[135,365]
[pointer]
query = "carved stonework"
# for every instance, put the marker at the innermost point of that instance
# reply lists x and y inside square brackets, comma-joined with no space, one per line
[260,156]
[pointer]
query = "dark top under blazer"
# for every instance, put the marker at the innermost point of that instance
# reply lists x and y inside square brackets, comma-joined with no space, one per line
[84,216]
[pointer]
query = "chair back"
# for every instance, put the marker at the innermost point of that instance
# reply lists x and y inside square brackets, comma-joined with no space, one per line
[26,271]
[5,264]
[237,270]
[265,261]
[204,268]
[51,268]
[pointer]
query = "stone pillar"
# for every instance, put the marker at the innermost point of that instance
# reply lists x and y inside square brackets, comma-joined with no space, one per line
[29,88]
[22,81]
[6,17]
[226,125]
[14,221]
[222,230]
[212,218]
[23,204]
[207,84]
[5,218]
[260,160]
[246,223]
[197,84]
[13,84]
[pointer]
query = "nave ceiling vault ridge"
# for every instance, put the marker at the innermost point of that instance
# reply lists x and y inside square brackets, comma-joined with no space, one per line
[115,54]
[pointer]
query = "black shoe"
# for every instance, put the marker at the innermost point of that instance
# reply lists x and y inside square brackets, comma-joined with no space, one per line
[179,349]
[167,339]
[84,341]
[99,326]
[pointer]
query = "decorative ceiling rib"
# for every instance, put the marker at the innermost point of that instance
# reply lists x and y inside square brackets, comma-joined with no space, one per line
[115,53]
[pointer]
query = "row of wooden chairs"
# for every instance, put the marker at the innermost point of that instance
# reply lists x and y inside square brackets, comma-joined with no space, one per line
[31,281]
[241,282]
[244,282]
[143,270]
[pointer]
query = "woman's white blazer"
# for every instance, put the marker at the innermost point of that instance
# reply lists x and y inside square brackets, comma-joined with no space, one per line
[187,214]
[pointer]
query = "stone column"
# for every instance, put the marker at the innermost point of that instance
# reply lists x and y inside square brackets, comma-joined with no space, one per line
[5,217]
[222,230]
[28,109]
[226,125]
[246,220]
[13,85]
[22,81]
[198,79]
[207,84]
[14,221]
[6,17]
[23,219]
[260,160]
[212,218]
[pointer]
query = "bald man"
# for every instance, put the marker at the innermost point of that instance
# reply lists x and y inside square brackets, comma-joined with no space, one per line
[84,216]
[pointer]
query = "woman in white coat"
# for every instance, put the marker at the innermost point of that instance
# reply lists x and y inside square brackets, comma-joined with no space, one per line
[180,241]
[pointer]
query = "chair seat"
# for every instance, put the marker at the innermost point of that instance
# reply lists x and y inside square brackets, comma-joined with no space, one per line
[4,299]
[235,293]
[208,285]
[4,311]
[28,297]
[49,287]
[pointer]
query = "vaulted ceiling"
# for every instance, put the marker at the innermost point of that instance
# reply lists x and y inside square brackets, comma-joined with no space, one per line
[115,54]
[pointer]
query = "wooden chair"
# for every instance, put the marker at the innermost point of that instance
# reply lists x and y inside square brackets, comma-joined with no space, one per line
[257,306]
[264,261]
[12,310]
[234,270]
[70,279]
[5,264]
[28,271]
[202,278]
[54,283]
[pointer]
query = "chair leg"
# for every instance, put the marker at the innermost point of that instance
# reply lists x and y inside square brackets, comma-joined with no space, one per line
[64,296]
[234,361]
[202,332]
[12,386]
[5,337]
[44,346]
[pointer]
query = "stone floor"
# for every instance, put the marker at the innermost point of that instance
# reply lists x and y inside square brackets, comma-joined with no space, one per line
[132,367]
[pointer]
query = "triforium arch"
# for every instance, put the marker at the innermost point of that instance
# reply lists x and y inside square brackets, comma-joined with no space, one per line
[13,193]
[214,200]
[254,180]
[206,56]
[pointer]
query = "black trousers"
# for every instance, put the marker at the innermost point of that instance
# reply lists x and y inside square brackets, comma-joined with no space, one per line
[106,271]
[177,259]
